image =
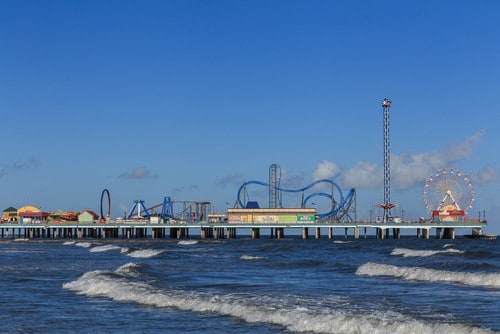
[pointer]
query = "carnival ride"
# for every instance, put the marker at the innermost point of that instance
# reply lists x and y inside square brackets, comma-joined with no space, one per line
[339,209]
[448,194]
[137,207]
[191,211]
[105,218]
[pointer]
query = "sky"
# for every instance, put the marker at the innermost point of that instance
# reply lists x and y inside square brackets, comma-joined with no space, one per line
[190,99]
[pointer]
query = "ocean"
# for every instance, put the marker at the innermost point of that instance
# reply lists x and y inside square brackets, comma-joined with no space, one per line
[243,285]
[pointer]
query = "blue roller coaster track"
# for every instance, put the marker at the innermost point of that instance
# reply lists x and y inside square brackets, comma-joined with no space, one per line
[338,209]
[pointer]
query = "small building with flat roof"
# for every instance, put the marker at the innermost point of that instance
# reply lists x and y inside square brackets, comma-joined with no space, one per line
[277,215]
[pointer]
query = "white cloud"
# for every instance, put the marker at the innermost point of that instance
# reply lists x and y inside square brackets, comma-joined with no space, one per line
[326,170]
[459,151]
[487,175]
[363,175]
[407,170]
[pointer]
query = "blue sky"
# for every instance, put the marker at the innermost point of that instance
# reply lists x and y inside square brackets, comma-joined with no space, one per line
[190,99]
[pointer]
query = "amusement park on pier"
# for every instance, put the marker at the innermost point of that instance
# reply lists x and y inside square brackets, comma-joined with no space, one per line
[448,195]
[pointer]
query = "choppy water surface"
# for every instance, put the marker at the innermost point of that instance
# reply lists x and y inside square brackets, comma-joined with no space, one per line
[241,286]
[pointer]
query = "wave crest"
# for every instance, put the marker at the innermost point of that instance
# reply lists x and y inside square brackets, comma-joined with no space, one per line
[430,275]
[119,286]
[187,242]
[103,248]
[145,253]
[423,253]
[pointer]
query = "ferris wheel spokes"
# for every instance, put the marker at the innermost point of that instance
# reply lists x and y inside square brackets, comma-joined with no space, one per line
[448,187]
[453,201]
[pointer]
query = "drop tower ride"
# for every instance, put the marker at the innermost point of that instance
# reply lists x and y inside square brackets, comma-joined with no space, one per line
[387,205]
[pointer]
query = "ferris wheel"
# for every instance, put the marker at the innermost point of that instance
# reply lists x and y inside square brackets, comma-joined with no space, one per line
[446,187]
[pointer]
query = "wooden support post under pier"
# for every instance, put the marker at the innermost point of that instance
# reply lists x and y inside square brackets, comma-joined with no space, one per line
[381,233]
[449,233]
[231,232]
[396,233]
[425,233]
[280,232]
[438,233]
[255,233]
[305,233]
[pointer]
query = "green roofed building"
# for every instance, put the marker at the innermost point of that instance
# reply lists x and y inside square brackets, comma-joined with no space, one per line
[9,215]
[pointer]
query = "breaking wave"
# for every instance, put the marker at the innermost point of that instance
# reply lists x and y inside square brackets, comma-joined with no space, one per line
[298,315]
[145,253]
[187,242]
[83,244]
[430,275]
[104,248]
[423,253]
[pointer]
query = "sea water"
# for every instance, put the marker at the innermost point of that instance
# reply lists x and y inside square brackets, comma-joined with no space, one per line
[244,286]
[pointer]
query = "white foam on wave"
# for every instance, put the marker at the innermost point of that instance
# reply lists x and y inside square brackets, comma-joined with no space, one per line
[104,248]
[145,253]
[21,239]
[128,268]
[187,242]
[119,286]
[423,253]
[66,243]
[341,242]
[83,244]
[250,257]
[430,275]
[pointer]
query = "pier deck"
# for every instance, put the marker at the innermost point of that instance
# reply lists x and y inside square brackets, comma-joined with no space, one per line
[176,230]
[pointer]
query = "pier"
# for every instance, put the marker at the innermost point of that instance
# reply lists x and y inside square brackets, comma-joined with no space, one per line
[233,230]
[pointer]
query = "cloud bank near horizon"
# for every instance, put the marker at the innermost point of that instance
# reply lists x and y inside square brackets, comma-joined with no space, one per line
[407,170]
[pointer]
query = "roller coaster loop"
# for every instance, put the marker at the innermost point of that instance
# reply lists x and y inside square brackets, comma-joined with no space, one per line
[335,209]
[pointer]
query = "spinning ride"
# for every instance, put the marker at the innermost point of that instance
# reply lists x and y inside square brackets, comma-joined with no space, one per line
[448,194]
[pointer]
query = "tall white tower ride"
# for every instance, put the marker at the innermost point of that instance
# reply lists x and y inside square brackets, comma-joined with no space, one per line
[387,205]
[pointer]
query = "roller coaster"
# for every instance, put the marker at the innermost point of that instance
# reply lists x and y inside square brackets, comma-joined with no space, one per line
[339,209]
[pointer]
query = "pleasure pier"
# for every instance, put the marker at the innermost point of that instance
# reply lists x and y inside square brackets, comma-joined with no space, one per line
[124,229]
